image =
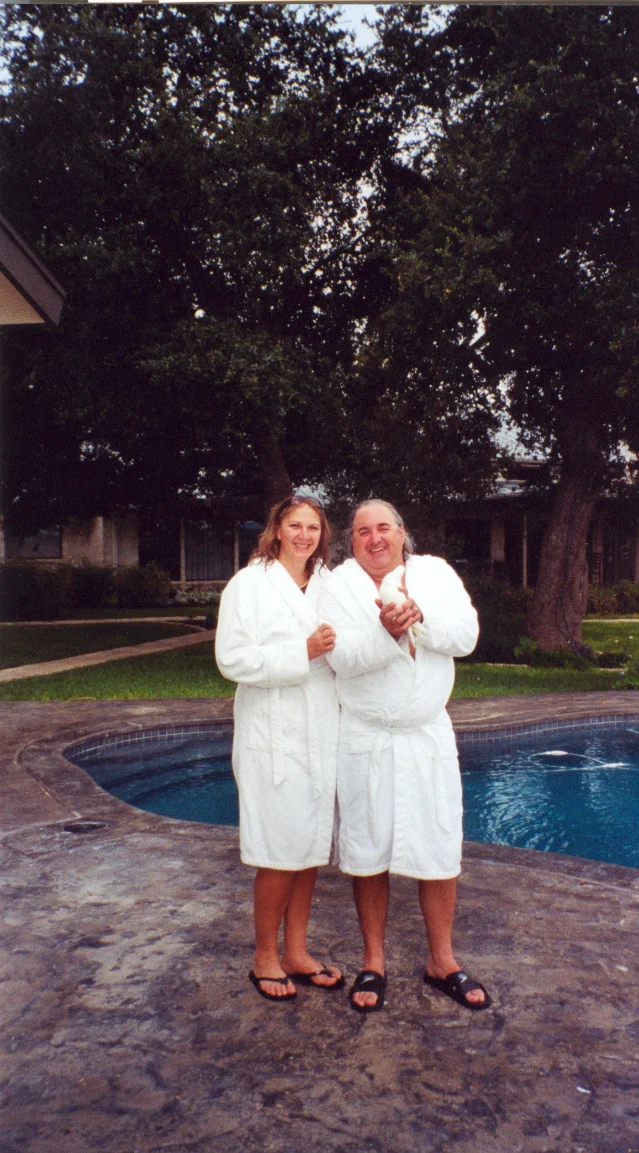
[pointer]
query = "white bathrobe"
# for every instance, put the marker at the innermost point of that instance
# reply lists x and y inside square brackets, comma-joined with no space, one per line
[399,789]
[286,717]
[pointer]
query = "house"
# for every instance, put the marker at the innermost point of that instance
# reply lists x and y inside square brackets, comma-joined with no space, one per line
[501,534]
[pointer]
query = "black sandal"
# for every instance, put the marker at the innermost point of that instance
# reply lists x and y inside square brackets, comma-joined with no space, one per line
[368,981]
[307,979]
[458,985]
[276,981]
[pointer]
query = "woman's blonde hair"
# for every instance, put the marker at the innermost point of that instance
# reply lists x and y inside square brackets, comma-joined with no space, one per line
[268,546]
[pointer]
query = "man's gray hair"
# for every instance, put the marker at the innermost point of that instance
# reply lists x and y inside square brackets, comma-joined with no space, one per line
[409,544]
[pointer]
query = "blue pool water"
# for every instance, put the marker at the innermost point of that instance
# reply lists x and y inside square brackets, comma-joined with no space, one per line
[575,792]
[570,791]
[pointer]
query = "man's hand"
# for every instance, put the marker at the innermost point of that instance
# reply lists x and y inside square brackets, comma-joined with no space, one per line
[397,619]
[320,642]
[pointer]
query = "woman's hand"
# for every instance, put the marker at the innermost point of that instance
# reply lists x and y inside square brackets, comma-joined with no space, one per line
[320,642]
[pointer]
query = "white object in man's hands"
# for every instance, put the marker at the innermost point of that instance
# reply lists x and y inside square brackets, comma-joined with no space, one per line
[390,591]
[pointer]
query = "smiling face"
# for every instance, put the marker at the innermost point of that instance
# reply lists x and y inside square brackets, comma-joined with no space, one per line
[299,535]
[378,541]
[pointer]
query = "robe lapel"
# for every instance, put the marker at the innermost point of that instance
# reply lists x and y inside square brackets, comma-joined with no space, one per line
[362,588]
[292,596]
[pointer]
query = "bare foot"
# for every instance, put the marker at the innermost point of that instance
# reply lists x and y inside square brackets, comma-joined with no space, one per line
[473,996]
[310,967]
[266,967]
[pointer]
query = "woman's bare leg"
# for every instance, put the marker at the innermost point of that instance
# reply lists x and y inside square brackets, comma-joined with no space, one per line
[272,890]
[296,957]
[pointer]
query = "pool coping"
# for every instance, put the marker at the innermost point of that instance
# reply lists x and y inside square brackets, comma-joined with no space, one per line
[44,791]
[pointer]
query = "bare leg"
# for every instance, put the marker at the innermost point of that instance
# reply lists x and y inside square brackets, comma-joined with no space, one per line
[371,900]
[296,957]
[437,902]
[272,890]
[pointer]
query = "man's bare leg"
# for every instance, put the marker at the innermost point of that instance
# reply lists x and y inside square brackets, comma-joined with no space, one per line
[272,890]
[371,900]
[437,902]
[296,957]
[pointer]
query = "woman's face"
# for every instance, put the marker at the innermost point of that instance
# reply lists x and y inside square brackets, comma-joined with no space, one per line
[299,534]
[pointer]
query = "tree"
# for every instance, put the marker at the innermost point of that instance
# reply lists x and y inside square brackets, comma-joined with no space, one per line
[191,176]
[526,122]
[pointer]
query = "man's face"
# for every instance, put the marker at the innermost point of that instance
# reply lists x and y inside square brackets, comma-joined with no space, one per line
[378,542]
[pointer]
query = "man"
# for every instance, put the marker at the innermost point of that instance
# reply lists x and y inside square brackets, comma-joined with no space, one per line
[399,787]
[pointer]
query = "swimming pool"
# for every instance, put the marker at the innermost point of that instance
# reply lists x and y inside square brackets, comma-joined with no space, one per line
[571,788]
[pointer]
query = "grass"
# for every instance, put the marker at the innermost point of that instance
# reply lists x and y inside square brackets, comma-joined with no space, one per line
[128,614]
[192,673]
[612,636]
[181,673]
[507,680]
[28,644]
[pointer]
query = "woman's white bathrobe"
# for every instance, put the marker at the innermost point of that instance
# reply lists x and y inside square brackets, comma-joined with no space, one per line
[399,789]
[286,717]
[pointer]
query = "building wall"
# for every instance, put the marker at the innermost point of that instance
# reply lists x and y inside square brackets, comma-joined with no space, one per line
[101,541]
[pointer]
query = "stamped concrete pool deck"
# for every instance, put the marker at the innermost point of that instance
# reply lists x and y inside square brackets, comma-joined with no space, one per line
[129,1025]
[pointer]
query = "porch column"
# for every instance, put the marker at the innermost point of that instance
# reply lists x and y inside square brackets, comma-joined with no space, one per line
[182,554]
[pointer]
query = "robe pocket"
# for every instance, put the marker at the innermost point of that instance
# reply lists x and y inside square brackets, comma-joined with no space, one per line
[258,724]
[358,741]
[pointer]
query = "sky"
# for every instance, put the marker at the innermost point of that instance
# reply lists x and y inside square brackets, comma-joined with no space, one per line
[353,17]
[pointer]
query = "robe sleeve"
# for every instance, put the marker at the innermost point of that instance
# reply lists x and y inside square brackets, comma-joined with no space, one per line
[240,657]
[450,622]
[361,645]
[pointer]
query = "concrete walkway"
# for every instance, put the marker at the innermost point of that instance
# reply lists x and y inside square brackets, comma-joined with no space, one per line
[45,668]
[129,1025]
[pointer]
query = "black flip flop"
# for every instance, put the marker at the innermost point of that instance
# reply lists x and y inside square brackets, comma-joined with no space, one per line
[276,981]
[307,979]
[368,981]
[458,985]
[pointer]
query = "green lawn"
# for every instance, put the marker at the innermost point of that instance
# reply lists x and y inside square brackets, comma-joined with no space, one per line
[28,644]
[506,680]
[192,673]
[187,672]
[127,614]
[612,636]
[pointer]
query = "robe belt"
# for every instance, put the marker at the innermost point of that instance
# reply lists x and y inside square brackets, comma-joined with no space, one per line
[380,744]
[314,757]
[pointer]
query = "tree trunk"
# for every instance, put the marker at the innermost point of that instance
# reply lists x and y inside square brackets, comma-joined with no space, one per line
[277,482]
[559,604]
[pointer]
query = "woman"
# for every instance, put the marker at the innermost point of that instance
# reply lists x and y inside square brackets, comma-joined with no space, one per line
[270,640]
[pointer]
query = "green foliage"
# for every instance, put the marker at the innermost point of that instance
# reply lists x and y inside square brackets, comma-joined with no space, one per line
[529,652]
[93,587]
[515,206]
[614,600]
[219,150]
[30,592]
[141,586]
[629,676]
[501,610]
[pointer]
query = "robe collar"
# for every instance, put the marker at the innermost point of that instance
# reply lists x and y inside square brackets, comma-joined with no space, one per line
[296,601]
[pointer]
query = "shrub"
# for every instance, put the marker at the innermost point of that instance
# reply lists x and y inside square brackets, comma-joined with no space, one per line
[613,600]
[629,676]
[502,612]
[94,587]
[142,587]
[197,597]
[34,593]
[528,652]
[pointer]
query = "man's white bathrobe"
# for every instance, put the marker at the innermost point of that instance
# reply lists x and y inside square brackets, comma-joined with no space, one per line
[286,717]
[399,788]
